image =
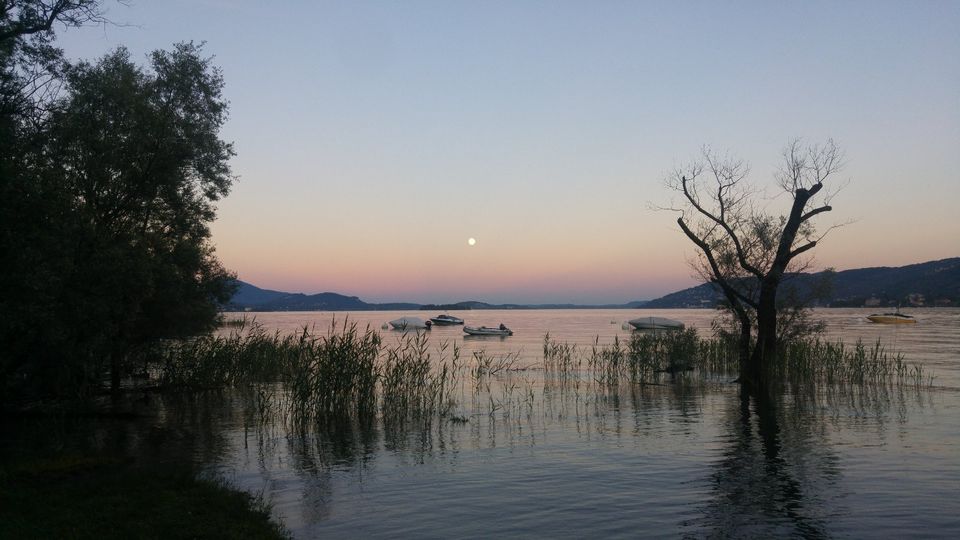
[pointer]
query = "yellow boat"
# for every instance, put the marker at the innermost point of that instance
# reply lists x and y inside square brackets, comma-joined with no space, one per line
[891,318]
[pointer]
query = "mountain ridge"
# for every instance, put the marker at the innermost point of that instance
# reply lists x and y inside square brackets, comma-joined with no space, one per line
[931,283]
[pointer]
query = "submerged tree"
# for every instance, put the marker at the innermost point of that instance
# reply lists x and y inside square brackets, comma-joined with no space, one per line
[749,253]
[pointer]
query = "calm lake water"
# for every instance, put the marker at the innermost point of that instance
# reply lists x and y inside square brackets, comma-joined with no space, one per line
[661,460]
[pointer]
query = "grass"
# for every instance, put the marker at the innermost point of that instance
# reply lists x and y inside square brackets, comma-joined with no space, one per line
[81,496]
[836,363]
[350,372]
[234,322]
[345,371]
[651,357]
[643,358]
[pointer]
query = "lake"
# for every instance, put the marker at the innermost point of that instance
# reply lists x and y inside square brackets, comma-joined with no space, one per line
[529,458]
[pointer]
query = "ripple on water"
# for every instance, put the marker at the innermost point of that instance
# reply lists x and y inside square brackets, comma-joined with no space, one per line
[645,462]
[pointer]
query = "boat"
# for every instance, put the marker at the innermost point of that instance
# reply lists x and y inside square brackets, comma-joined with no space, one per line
[446,320]
[655,323]
[488,331]
[409,323]
[891,318]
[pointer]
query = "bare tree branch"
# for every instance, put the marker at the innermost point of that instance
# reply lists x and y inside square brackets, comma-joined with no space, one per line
[37,16]
[816,211]
[718,276]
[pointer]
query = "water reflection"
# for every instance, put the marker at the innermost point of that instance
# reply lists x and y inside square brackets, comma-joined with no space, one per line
[776,476]
[524,454]
[728,463]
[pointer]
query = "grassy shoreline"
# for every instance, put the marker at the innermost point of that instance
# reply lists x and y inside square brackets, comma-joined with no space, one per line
[83,496]
[56,483]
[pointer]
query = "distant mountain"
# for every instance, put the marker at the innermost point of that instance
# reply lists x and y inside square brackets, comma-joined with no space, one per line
[251,298]
[248,295]
[934,283]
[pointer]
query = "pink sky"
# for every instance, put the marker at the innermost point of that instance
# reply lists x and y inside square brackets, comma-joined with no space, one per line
[374,139]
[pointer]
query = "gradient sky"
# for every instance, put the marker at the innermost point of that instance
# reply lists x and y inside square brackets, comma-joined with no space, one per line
[374,138]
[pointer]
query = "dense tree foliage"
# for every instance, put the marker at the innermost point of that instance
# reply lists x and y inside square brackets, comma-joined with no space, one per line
[108,176]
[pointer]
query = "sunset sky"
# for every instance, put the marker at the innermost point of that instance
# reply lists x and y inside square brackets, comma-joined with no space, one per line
[374,139]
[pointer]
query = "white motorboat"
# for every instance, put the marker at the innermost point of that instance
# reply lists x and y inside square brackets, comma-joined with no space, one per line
[446,320]
[891,318]
[409,323]
[488,331]
[656,323]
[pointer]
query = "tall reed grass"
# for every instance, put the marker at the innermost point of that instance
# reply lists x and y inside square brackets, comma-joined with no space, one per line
[650,357]
[350,376]
[345,371]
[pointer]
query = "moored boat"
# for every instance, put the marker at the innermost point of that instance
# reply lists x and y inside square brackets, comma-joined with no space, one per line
[409,323]
[488,331]
[656,323]
[891,318]
[446,320]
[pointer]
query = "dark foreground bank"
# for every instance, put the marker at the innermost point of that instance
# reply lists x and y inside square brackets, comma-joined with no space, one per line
[65,492]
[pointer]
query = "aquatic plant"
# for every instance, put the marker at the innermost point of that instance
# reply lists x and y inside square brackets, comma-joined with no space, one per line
[336,372]
[648,357]
[347,379]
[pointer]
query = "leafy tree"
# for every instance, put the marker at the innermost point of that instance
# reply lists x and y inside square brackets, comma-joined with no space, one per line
[750,253]
[108,179]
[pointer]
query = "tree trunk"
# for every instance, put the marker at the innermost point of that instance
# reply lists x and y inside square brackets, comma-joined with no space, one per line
[115,373]
[743,346]
[117,358]
[765,352]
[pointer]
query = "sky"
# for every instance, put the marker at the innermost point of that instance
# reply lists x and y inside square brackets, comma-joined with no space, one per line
[374,139]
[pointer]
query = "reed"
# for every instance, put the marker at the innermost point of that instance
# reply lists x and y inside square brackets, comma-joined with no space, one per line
[347,376]
[836,363]
[412,385]
[348,371]
[647,356]
[335,373]
[561,362]
[213,361]
[234,322]
[650,357]
[487,365]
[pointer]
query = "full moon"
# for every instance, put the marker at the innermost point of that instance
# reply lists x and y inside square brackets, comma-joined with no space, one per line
[471,241]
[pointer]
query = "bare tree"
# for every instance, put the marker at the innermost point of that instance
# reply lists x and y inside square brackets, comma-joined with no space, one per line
[27,17]
[743,248]
[30,65]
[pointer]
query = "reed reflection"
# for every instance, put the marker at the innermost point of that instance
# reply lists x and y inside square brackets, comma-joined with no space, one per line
[776,473]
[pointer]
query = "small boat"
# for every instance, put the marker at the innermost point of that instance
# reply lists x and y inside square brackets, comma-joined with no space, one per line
[488,331]
[409,323]
[656,323]
[891,318]
[446,320]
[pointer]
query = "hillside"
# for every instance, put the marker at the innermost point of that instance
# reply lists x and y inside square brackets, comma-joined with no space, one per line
[933,283]
[251,298]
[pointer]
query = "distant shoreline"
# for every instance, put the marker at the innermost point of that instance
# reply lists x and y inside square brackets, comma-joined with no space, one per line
[576,308]
[927,284]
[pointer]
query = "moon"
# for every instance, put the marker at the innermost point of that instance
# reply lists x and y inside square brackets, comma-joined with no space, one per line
[471,241]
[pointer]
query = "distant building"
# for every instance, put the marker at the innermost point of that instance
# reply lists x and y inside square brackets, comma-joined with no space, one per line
[873,301]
